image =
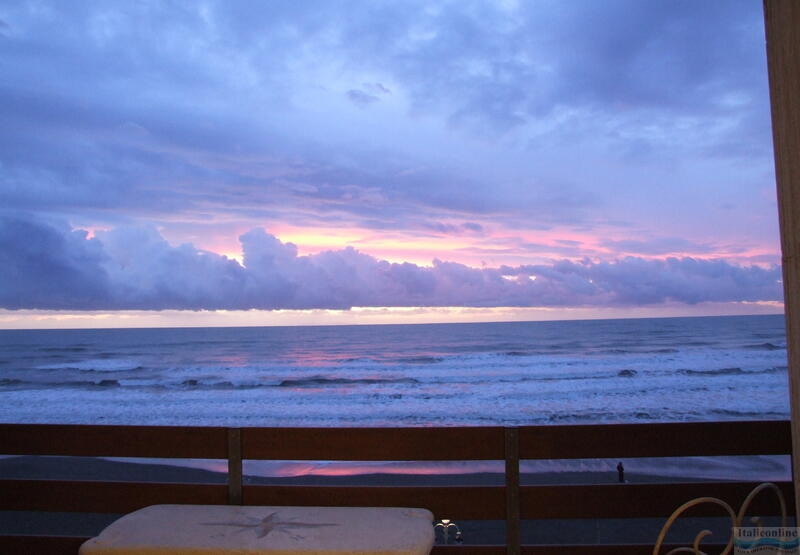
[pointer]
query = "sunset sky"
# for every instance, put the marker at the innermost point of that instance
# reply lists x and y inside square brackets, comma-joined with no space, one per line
[256,163]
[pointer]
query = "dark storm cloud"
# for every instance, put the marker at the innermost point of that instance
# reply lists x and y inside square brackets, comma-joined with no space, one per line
[53,267]
[48,266]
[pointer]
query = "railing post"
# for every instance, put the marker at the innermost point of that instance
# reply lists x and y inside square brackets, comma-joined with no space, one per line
[512,491]
[234,466]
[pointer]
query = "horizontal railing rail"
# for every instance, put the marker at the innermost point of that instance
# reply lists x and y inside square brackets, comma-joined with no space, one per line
[510,502]
[382,444]
[114,441]
[680,439]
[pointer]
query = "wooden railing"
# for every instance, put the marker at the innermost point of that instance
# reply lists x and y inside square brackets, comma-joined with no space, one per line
[510,502]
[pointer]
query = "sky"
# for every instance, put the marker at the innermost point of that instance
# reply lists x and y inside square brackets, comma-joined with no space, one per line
[256,163]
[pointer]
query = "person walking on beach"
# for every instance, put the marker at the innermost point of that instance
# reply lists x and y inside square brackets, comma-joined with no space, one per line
[621,472]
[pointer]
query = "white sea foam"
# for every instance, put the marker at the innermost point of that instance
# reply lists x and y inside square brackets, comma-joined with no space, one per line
[482,374]
[94,365]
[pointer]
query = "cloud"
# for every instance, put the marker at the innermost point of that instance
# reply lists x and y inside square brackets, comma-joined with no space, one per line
[657,246]
[145,272]
[360,98]
[376,88]
[636,281]
[548,114]
[368,94]
[50,266]
[472,226]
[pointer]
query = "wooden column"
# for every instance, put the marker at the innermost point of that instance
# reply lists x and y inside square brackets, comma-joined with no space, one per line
[512,491]
[782,19]
[234,466]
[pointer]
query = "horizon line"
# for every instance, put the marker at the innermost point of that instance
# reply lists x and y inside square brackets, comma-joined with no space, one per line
[583,318]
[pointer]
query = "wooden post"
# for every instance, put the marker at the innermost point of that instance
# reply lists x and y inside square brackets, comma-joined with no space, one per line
[782,22]
[512,491]
[234,466]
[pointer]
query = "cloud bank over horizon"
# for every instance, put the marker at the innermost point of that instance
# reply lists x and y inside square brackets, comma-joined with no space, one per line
[52,266]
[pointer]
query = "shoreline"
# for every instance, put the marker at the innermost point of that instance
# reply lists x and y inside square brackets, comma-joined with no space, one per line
[30,467]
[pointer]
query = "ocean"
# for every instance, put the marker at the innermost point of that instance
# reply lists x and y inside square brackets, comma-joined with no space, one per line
[508,374]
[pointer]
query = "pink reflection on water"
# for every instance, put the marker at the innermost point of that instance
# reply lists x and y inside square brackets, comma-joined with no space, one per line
[312,358]
[235,359]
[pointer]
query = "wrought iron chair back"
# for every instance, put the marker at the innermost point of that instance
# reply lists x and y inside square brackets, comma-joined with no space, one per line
[736,520]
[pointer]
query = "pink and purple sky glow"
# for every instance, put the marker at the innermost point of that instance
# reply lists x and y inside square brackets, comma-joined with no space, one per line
[240,163]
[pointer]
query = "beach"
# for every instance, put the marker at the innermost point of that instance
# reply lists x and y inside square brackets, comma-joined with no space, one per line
[475,532]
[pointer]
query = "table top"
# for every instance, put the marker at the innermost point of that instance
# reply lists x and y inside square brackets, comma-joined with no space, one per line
[251,530]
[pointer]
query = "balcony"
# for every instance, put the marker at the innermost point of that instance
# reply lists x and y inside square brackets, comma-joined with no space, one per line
[511,502]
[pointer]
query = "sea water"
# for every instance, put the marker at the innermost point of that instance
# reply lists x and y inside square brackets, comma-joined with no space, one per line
[507,374]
